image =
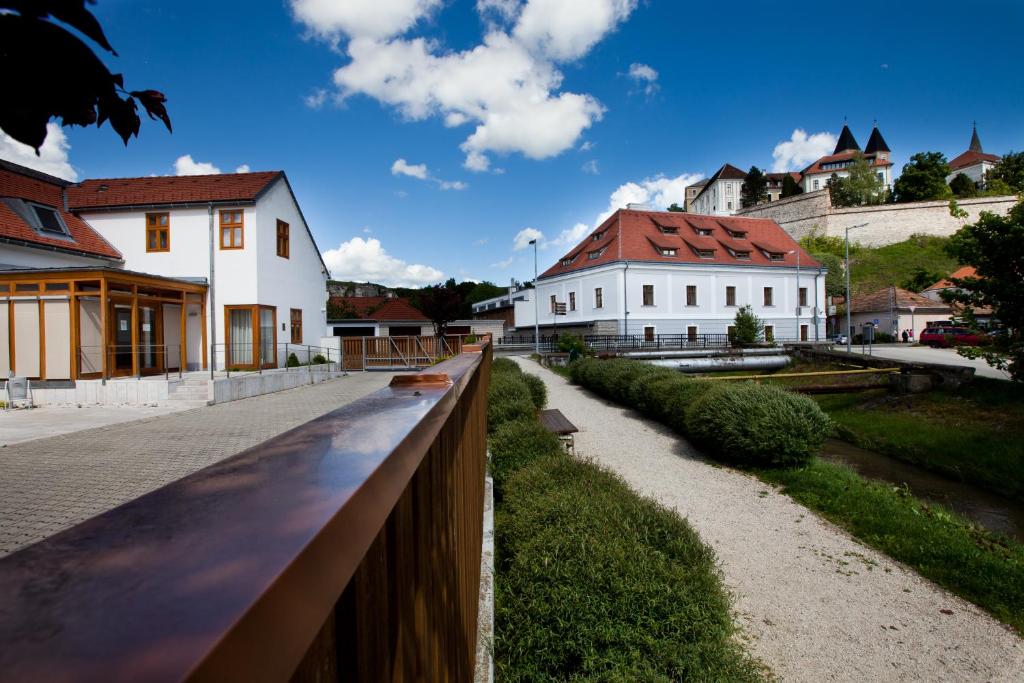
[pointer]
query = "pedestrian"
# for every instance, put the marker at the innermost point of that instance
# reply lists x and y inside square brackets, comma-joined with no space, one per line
[906,336]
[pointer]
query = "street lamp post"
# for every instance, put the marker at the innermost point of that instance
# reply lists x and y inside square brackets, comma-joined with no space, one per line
[849,329]
[536,303]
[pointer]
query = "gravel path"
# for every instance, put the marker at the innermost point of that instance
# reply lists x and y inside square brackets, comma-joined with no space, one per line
[814,604]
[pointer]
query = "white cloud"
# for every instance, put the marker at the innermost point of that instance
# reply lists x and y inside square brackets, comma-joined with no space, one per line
[587,146]
[504,264]
[367,230]
[402,167]
[420,172]
[186,165]
[244,168]
[365,260]
[481,242]
[316,99]
[645,77]
[53,154]
[522,239]
[591,167]
[659,192]
[567,30]
[571,236]
[370,18]
[801,149]
[507,86]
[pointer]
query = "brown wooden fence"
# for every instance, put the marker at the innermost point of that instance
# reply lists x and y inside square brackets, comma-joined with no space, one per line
[345,549]
[380,353]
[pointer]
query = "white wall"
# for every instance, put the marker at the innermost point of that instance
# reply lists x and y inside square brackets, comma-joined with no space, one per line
[25,257]
[716,198]
[670,314]
[975,172]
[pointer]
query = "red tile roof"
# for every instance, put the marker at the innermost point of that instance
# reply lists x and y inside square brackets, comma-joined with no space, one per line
[816,167]
[959,274]
[970,158]
[22,183]
[379,308]
[117,192]
[632,235]
[776,179]
[900,298]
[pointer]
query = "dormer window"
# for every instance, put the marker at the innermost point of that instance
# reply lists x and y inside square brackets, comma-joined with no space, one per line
[568,261]
[775,255]
[598,236]
[596,254]
[738,234]
[667,230]
[664,251]
[703,232]
[742,255]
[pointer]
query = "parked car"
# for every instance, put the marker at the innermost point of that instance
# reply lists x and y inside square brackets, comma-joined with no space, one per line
[953,336]
[839,340]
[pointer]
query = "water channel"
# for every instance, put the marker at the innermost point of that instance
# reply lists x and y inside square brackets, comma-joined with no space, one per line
[988,510]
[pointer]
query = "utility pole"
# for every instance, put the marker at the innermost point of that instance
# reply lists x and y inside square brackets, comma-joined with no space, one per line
[536,303]
[849,329]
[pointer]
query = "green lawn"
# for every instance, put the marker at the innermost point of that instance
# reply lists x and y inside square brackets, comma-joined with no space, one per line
[984,568]
[975,433]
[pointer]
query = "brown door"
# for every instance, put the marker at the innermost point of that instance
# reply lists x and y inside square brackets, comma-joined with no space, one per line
[649,334]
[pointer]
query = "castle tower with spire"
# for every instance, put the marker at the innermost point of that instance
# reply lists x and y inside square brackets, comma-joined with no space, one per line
[974,163]
[817,175]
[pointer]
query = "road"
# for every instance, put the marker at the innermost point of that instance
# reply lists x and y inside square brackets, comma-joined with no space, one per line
[925,354]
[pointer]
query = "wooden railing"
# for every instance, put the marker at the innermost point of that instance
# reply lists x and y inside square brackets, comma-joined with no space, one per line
[345,549]
[383,353]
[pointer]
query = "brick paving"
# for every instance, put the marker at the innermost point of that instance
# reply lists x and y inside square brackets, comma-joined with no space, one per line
[51,484]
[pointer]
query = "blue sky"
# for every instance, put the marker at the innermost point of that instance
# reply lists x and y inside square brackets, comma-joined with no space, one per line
[566,131]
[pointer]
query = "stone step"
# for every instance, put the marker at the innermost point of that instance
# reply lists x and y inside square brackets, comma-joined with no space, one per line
[189,392]
[187,403]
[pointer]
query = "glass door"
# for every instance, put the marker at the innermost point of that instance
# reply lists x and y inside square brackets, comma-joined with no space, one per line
[240,349]
[122,340]
[149,353]
[268,337]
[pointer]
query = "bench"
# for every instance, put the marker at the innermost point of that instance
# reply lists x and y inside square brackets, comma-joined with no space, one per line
[555,422]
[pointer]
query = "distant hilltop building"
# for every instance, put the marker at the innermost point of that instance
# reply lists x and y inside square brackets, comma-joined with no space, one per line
[719,195]
[974,163]
[817,175]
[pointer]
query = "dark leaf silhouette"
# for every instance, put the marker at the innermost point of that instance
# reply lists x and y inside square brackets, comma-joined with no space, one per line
[66,80]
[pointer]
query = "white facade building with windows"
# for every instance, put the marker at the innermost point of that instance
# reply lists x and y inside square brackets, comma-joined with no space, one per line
[719,195]
[650,273]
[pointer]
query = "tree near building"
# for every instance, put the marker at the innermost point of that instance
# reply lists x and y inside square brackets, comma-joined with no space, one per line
[790,187]
[1009,170]
[442,304]
[994,245]
[961,186]
[755,188]
[676,208]
[862,187]
[923,179]
[47,72]
[747,327]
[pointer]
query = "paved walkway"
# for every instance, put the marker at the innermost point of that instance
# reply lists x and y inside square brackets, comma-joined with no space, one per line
[47,485]
[925,354]
[814,604]
[21,425]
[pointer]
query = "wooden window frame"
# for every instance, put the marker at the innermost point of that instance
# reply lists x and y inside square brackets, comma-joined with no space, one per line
[730,300]
[572,301]
[291,324]
[598,297]
[801,297]
[643,295]
[691,289]
[257,334]
[769,297]
[232,226]
[284,239]
[156,229]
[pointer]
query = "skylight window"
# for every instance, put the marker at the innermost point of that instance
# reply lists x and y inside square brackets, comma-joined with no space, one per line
[667,230]
[703,232]
[49,220]
[664,251]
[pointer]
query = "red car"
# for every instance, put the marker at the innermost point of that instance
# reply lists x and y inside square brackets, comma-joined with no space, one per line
[953,336]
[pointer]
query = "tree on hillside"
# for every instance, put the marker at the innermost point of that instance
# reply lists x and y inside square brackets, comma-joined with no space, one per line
[923,179]
[48,72]
[835,277]
[862,187]
[442,304]
[1009,170]
[790,187]
[994,245]
[676,208]
[961,186]
[755,188]
[921,279]
[817,242]
[483,290]
[748,328]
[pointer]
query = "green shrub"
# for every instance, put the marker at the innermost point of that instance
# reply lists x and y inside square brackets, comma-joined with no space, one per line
[538,390]
[501,365]
[751,424]
[318,359]
[517,443]
[293,360]
[508,398]
[596,583]
[568,343]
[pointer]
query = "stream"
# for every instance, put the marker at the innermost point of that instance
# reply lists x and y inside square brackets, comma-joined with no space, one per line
[988,510]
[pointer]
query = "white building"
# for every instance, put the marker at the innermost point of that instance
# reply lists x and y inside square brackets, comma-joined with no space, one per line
[719,195]
[817,175]
[974,163]
[138,276]
[651,272]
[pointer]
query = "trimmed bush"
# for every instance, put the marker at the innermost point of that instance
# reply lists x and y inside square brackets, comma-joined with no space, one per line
[318,359]
[508,398]
[517,443]
[758,425]
[538,390]
[596,583]
[504,365]
[293,360]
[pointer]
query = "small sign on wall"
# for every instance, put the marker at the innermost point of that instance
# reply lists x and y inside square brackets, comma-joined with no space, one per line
[145,327]
[124,325]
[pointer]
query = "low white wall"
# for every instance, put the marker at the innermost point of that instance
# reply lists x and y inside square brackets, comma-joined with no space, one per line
[227,389]
[113,393]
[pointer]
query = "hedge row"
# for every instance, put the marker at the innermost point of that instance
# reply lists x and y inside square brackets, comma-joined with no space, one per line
[594,582]
[744,423]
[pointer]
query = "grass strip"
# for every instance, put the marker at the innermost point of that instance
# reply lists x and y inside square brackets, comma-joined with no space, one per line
[984,568]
